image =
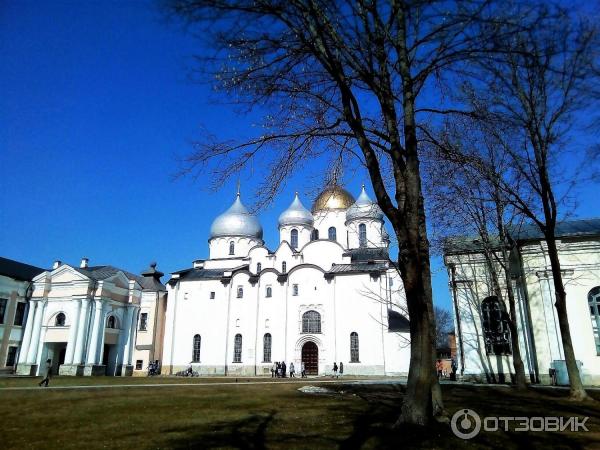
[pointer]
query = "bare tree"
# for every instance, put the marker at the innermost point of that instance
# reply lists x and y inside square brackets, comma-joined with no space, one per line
[348,78]
[529,96]
[443,326]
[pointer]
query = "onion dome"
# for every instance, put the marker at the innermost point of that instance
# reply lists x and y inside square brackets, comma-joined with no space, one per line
[364,208]
[333,198]
[296,214]
[236,221]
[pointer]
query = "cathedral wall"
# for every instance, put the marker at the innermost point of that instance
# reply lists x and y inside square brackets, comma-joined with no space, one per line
[374,233]
[304,234]
[332,218]
[219,247]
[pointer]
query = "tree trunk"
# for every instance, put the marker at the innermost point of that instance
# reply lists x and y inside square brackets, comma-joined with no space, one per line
[520,379]
[577,391]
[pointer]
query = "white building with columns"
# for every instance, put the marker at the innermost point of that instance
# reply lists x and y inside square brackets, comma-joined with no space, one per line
[328,293]
[90,320]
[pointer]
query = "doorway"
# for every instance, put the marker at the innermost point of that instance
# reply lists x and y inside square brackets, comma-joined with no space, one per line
[310,358]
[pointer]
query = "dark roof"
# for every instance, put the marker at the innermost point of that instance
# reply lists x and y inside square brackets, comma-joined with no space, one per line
[99,273]
[466,244]
[200,273]
[361,267]
[565,228]
[18,270]
[367,254]
[397,322]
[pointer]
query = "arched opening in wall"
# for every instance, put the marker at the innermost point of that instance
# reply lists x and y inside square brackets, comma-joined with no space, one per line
[362,235]
[311,322]
[294,239]
[60,320]
[332,234]
[232,248]
[310,358]
[237,349]
[269,292]
[196,348]
[314,236]
[258,267]
[495,324]
[267,347]
[594,304]
[284,267]
[111,322]
[354,355]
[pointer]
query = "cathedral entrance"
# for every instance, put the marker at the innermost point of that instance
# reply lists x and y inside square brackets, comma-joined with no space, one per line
[310,358]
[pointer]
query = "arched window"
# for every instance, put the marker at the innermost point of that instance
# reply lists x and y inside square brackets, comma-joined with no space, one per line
[232,248]
[269,291]
[258,267]
[354,347]
[311,322]
[362,235]
[237,348]
[111,322]
[60,320]
[294,238]
[594,304]
[314,235]
[267,347]
[332,234]
[496,331]
[240,292]
[284,267]
[196,349]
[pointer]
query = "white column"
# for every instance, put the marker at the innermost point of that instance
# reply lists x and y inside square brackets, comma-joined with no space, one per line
[132,334]
[93,348]
[74,319]
[28,330]
[124,336]
[35,335]
[80,341]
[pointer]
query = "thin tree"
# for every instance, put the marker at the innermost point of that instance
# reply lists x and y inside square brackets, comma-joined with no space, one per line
[347,78]
[531,94]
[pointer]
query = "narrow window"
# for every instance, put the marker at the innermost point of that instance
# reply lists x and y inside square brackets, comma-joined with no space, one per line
[294,238]
[332,234]
[267,323]
[594,304]
[362,235]
[139,364]
[20,314]
[60,319]
[11,356]
[240,292]
[237,349]
[143,321]
[212,295]
[111,323]
[267,347]
[496,331]
[314,236]
[3,302]
[295,290]
[231,248]
[196,348]
[354,347]
[284,267]
[311,322]
[391,282]
[269,291]
[258,267]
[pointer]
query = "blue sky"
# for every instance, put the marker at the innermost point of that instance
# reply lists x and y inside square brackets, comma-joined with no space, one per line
[95,108]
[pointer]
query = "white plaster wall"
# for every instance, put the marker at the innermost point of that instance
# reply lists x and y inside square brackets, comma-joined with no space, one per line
[374,233]
[219,246]
[334,218]
[304,233]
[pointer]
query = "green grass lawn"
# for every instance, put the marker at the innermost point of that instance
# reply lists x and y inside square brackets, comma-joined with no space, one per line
[247,416]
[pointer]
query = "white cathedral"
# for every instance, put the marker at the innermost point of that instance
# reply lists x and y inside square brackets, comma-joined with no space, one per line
[328,293]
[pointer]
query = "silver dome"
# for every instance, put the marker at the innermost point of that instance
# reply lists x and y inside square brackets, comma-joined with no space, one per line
[296,214]
[364,208]
[236,221]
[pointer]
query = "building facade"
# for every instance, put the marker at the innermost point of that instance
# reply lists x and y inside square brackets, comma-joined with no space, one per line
[483,334]
[328,293]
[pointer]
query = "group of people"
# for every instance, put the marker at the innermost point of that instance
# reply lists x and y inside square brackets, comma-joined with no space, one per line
[442,372]
[280,369]
[338,371]
[153,368]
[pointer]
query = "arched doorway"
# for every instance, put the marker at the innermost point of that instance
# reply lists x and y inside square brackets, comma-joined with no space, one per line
[310,358]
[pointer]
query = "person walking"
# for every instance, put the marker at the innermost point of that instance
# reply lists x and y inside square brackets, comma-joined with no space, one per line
[292,370]
[335,369]
[302,370]
[46,380]
[341,369]
[439,367]
[283,369]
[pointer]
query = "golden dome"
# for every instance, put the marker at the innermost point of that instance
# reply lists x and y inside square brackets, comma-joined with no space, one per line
[334,197]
